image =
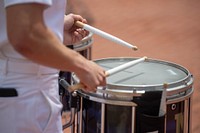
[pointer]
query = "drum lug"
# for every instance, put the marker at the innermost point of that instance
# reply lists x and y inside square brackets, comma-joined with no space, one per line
[74,94]
[186,83]
[173,106]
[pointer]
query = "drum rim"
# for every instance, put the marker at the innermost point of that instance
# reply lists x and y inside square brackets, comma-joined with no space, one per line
[174,84]
[174,88]
[85,43]
[105,100]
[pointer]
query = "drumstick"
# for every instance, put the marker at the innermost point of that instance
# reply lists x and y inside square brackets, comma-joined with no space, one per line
[124,66]
[112,71]
[105,35]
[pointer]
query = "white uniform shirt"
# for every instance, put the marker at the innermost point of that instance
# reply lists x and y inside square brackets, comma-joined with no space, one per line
[56,10]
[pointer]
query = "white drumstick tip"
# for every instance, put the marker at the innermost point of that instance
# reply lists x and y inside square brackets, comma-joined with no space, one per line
[135,48]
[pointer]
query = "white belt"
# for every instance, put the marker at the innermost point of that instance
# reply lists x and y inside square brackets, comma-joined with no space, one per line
[24,67]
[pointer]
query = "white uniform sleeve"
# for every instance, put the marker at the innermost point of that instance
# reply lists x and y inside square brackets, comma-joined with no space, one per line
[13,2]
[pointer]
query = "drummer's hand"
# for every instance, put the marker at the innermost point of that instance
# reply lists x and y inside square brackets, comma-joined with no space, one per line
[93,77]
[72,33]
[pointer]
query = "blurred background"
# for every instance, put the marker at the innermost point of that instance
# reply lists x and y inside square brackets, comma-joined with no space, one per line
[164,30]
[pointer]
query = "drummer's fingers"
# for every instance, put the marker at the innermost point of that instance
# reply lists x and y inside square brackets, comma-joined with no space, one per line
[89,88]
[82,32]
[102,80]
[79,34]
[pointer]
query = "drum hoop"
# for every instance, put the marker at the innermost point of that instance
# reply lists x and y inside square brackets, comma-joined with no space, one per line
[182,98]
[182,88]
[122,93]
[105,100]
[175,85]
[84,44]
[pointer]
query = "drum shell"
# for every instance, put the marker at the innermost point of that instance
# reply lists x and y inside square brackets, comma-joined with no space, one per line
[178,94]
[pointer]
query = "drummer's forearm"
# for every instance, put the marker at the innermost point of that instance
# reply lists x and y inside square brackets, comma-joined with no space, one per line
[46,49]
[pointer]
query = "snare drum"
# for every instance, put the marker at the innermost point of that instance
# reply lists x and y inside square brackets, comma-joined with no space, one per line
[112,110]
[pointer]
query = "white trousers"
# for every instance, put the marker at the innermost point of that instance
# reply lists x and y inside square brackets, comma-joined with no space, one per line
[36,109]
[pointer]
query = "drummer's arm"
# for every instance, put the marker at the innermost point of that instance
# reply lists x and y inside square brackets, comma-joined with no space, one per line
[30,36]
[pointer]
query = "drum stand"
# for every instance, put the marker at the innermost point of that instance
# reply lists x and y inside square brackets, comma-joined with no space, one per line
[72,104]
